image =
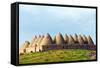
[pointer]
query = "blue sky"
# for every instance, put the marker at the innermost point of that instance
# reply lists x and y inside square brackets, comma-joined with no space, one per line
[35,20]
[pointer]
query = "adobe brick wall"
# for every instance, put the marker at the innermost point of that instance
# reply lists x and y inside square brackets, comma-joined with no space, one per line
[66,46]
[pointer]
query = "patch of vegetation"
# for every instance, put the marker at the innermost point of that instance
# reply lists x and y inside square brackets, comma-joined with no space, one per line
[55,56]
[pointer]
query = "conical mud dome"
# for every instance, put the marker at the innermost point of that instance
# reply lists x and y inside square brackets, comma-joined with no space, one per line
[46,40]
[85,39]
[71,40]
[26,44]
[32,42]
[80,39]
[66,38]
[90,41]
[39,40]
[35,42]
[59,39]
[75,37]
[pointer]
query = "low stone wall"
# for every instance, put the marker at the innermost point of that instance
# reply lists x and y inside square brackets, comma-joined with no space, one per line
[57,47]
[66,46]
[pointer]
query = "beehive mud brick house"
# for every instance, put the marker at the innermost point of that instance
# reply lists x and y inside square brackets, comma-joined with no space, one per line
[46,42]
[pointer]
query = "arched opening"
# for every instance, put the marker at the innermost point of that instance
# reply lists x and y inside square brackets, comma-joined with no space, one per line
[31,51]
[39,50]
